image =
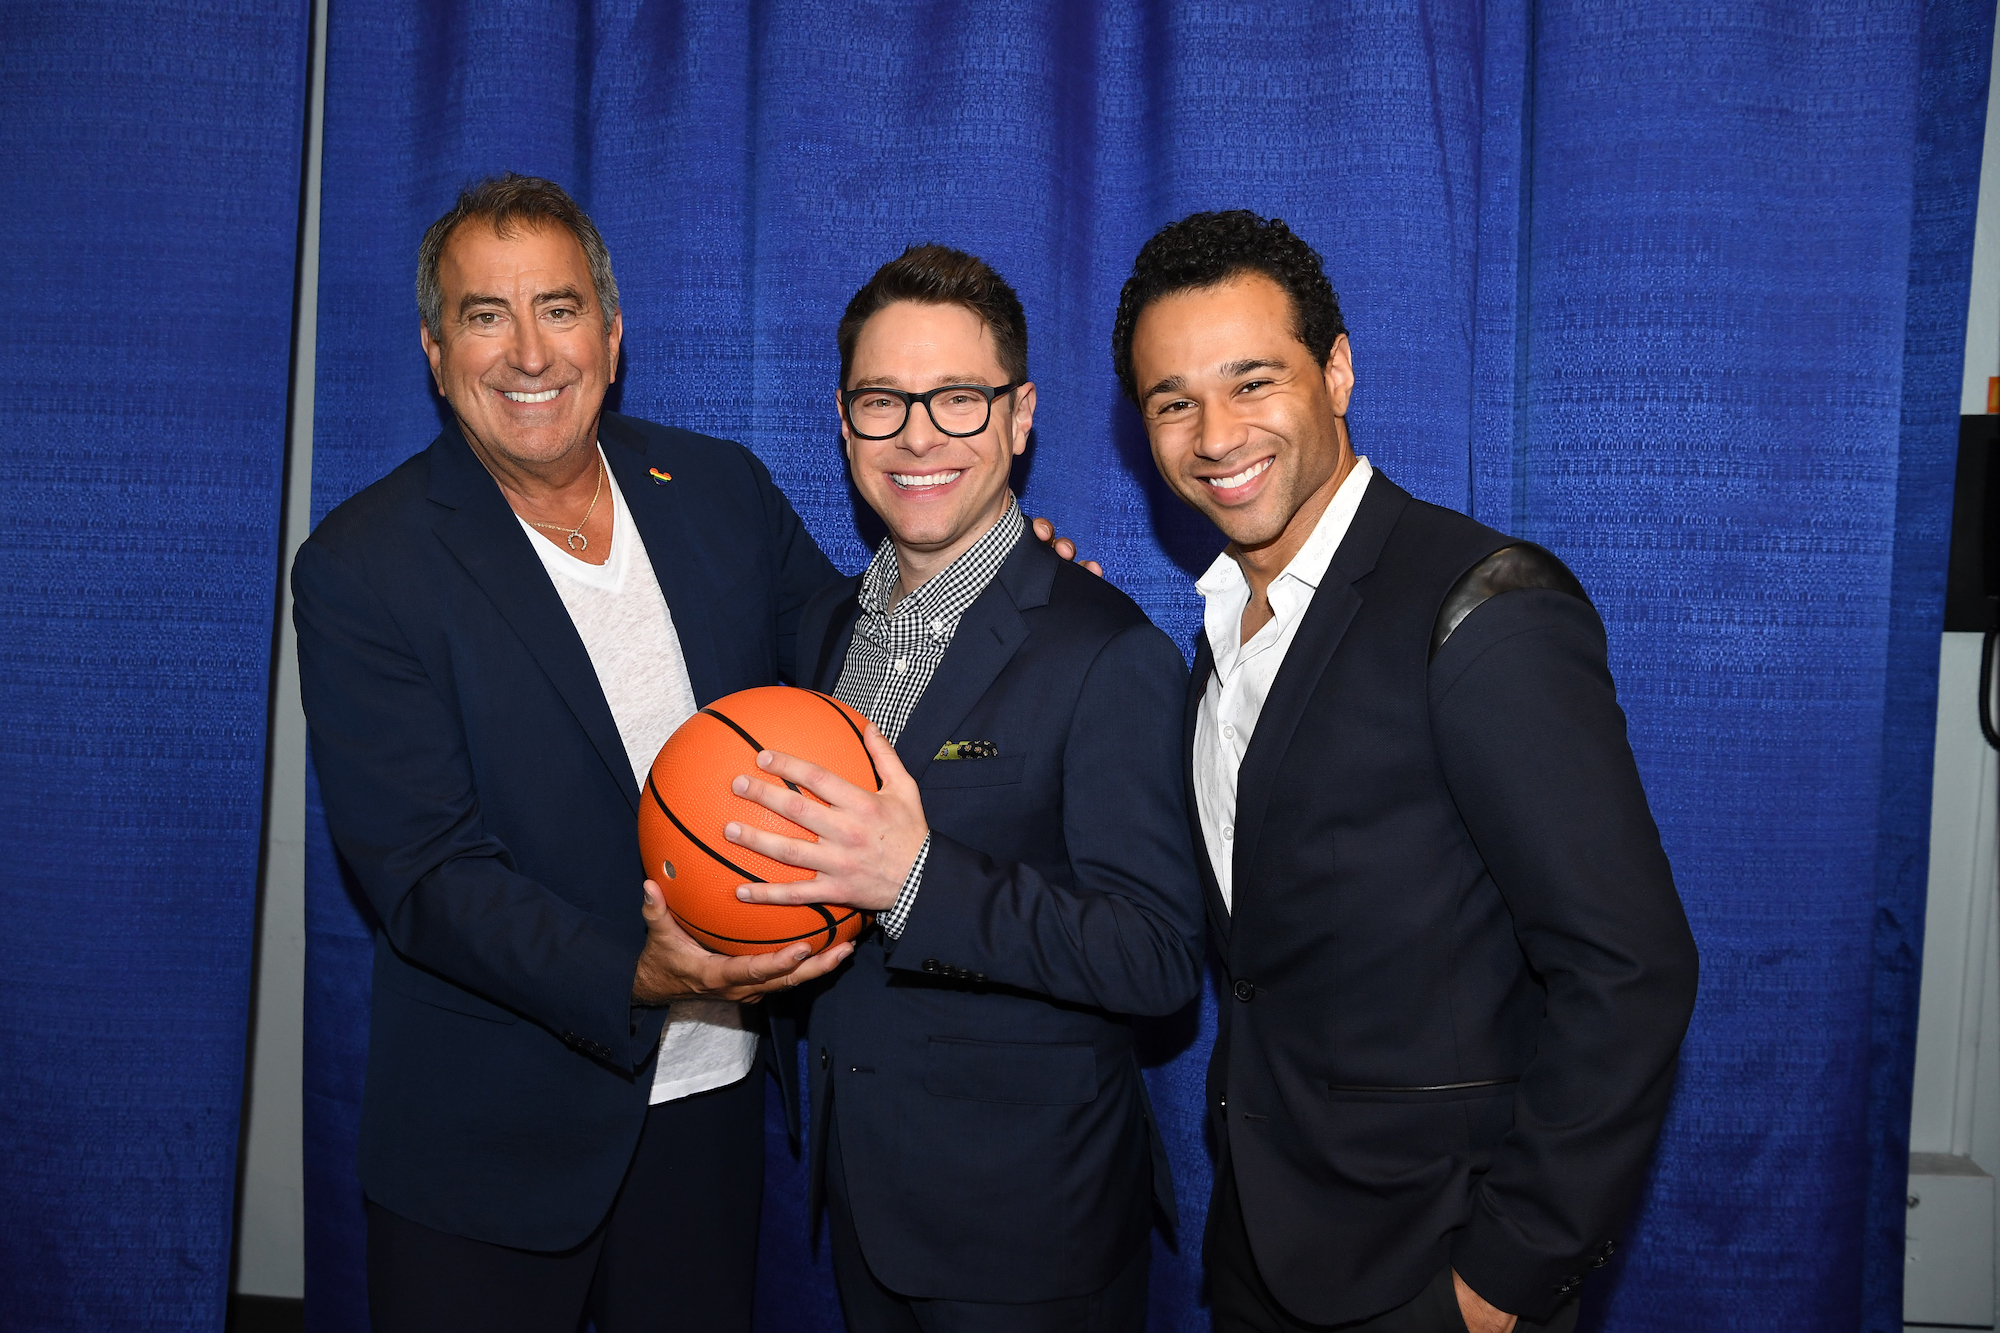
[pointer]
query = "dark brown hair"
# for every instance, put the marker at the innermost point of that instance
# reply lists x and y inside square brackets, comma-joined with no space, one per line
[940,275]
[504,203]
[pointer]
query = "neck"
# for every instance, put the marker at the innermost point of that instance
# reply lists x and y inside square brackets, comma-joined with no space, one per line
[539,482]
[915,565]
[1266,560]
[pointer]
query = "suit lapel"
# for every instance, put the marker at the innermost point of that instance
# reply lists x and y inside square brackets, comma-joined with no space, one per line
[1204,667]
[659,512]
[1327,617]
[829,655]
[481,532]
[989,634]
[825,625]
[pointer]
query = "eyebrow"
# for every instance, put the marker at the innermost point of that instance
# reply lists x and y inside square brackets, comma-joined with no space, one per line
[944,381]
[472,300]
[1233,370]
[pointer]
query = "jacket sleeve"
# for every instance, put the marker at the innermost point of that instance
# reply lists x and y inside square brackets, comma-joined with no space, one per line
[1534,749]
[398,789]
[1127,937]
[802,568]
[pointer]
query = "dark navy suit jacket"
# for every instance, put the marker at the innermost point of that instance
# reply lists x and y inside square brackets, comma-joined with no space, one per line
[477,788]
[1458,970]
[994,1129]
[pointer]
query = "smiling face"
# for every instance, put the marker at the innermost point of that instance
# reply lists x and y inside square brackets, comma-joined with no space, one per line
[936,493]
[1244,425]
[524,357]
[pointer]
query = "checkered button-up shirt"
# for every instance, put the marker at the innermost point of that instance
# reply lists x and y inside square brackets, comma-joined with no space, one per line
[896,648]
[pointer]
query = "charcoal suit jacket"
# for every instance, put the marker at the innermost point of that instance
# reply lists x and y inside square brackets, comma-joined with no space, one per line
[995,1134]
[1457,970]
[482,801]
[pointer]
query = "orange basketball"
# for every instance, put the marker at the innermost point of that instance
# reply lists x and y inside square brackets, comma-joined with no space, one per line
[687,801]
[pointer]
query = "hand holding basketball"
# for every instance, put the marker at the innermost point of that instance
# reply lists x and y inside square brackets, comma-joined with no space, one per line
[867,840]
[674,967]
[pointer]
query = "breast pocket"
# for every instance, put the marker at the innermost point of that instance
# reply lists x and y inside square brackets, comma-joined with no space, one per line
[1020,1073]
[995,772]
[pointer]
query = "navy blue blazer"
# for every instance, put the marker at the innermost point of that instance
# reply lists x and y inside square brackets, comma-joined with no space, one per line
[1458,970]
[994,1129]
[476,786]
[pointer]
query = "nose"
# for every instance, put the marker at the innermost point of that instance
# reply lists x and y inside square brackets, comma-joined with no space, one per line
[1221,435]
[920,433]
[528,350]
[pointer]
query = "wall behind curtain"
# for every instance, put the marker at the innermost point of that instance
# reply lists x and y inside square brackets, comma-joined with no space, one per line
[1663,288]
[152,178]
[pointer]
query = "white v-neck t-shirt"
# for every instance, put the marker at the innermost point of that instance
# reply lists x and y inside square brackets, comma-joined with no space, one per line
[628,630]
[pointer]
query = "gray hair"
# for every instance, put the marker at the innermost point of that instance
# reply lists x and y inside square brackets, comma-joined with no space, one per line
[504,203]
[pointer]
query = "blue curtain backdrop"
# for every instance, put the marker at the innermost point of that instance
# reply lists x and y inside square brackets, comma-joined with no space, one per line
[151,174]
[1675,290]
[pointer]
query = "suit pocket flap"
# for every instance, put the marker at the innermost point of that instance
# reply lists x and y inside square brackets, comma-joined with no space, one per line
[994,772]
[428,988]
[1026,1074]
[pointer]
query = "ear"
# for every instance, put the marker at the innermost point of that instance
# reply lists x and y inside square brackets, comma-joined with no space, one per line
[432,353]
[1339,374]
[1024,416]
[846,438]
[612,338]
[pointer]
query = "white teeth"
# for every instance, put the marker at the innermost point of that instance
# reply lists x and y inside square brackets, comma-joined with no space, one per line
[1241,478]
[909,482]
[541,397]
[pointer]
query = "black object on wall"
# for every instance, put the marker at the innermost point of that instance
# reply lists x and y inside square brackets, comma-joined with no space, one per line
[1973,581]
[1972,584]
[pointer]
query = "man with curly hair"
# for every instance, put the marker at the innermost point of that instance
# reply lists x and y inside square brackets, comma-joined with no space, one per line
[1457,973]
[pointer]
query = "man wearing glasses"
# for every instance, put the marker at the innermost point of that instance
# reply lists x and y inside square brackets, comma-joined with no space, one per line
[980,1129]
[494,641]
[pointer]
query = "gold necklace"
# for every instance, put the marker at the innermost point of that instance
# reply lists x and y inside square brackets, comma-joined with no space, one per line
[576,540]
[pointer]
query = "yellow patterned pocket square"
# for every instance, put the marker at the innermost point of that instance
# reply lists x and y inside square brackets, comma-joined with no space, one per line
[966,750]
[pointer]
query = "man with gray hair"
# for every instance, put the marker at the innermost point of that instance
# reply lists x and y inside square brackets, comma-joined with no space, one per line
[564,1110]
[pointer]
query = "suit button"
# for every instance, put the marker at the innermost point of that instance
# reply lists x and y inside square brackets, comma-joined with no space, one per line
[822,1057]
[1243,991]
[930,965]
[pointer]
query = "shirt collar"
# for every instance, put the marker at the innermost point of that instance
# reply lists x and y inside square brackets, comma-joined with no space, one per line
[1227,592]
[1309,565]
[949,591]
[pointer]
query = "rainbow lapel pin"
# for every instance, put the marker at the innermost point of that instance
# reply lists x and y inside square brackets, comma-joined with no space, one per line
[659,478]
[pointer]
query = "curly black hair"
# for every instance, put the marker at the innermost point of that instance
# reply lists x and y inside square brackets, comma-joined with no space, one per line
[1204,249]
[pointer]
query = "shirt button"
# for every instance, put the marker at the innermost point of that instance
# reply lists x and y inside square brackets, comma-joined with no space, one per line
[1228,832]
[902,664]
[937,628]
[1228,731]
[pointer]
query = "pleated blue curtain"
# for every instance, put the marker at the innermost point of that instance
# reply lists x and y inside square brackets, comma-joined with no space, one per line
[151,174]
[1673,290]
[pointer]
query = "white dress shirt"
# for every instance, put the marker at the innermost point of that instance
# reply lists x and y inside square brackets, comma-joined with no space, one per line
[628,630]
[1244,671]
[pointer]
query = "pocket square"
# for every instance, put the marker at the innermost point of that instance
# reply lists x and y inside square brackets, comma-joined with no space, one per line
[966,750]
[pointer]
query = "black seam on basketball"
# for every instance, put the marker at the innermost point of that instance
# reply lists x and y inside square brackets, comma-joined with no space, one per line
[748,739]
[688,833]
[832,926]
[841,713]
[793,939]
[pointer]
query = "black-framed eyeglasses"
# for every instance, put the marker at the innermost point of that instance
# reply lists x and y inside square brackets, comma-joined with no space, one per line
[956,409]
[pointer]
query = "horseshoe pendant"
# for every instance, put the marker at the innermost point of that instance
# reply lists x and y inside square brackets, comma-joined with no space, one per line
[578,542]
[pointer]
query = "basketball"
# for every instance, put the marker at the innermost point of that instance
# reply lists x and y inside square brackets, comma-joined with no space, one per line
[687,802]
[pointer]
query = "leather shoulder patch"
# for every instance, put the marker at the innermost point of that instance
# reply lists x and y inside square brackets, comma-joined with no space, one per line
[1509,569]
